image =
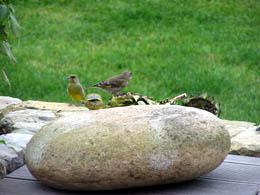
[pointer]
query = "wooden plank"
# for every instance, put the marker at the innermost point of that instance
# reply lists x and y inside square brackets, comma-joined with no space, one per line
[242,159]
[236,175]
[22,173]
[10,186]
[210,187]
[242,173]
[227,171]
[195,187]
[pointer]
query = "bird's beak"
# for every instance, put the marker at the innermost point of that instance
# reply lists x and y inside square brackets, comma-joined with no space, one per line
[68,78]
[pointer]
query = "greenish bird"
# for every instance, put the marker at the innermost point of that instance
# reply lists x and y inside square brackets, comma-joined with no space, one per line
[75,90]
[94,101]
[114,84]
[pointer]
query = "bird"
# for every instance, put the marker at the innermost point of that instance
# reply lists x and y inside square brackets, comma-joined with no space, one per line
[94,101]
[75,90]
[114,84]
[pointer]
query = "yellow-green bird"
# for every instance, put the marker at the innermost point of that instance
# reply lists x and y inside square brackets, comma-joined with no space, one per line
[75,90]
[114,84]
[94,101]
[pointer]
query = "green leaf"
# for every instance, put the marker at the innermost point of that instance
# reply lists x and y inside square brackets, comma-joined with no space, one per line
[3,13]
[2,142]
[6,78]
[11,7]
[3,34]
[5,1]
[2,47]
[14,24]
[6,48]
[12,148]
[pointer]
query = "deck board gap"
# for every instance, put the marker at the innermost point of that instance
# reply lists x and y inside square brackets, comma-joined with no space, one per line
[229,181]
[241,163]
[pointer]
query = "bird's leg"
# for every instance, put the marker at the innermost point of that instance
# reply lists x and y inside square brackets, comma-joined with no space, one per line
[81,102]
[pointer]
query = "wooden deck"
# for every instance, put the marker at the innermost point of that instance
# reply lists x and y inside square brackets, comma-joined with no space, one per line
[237,175]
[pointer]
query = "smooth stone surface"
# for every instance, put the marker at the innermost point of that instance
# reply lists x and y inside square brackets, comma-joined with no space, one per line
[127,147]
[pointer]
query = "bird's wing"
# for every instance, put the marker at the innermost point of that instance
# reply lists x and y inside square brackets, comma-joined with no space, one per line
[114,83]
[110,83]
[103,84]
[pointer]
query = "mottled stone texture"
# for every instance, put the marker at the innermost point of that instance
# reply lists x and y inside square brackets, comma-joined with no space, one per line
[127,147]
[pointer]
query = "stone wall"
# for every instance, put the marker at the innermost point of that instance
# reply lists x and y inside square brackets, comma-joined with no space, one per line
[19,120]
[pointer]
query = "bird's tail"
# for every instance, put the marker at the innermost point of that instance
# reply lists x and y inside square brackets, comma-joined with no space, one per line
[90,86]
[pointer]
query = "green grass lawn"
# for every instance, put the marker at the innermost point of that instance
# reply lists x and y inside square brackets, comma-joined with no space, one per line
[171,46]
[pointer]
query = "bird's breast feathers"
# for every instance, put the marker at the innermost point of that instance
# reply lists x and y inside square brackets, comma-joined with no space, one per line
[76,92]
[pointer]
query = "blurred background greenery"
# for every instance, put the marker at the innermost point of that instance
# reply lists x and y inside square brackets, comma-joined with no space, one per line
[171,46]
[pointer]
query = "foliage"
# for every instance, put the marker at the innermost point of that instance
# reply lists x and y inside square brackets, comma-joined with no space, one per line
[7,14]
[2,141]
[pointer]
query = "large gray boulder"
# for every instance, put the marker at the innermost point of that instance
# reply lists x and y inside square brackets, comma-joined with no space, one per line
[127,147]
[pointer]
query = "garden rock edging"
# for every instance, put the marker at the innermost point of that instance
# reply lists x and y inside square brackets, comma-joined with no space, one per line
[19,120]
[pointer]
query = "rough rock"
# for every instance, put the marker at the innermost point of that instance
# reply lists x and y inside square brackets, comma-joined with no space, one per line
[19,121]
[51,106]
[17,141]
[245,140]
[10,158]
[16,129]
[237,127]
[2,169]
[126,147]
[258,128]
[6,101]
[25,121]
